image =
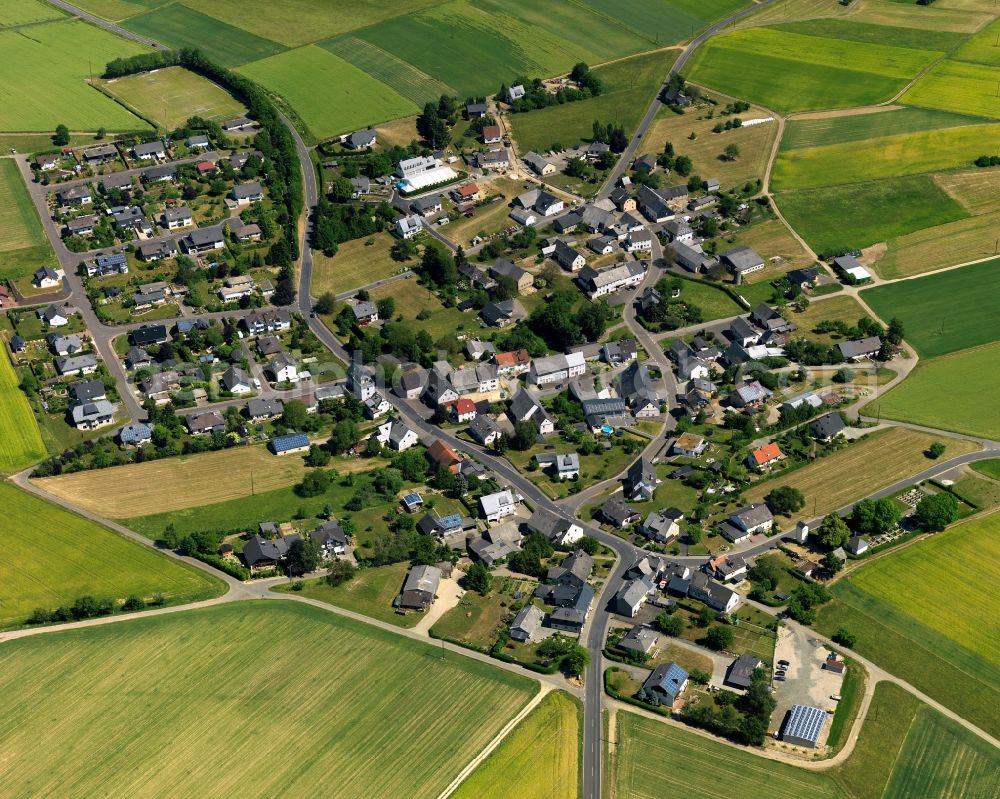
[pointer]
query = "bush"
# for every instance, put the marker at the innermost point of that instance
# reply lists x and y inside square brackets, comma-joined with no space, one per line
[315,482]
[845,637]
[719,637]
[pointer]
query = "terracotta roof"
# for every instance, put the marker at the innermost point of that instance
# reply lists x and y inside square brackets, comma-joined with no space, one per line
[767,453]
[468,190]
[515,358]
[464,405]
[442,454]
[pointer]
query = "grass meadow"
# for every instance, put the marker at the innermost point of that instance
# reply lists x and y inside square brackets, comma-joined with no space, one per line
[883,157]
[44,76]
[959,87]
[52,556]
[370,592]
[668,21]
[23,244]
[982,48]
[543,752]
[178,26]
[21,442]
[339,707]
[828,73]
[328,94]
[838,218]
[859,469]
[944,312]
[27,12]
[169,96]
[356,264]
[960,17]
[805,133]
[970,376]
[866,33]
[905,749]
[629,85]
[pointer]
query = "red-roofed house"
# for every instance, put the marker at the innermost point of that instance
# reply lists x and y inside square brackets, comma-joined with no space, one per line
[513,363]
[765,456]
[463,410]
[467,193]
[492,134]
[440,454]
[204,167]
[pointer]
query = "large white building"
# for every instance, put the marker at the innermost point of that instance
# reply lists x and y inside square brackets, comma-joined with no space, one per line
[556,368]
[599,283]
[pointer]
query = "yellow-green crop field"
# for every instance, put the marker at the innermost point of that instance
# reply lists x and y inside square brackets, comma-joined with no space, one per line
[541,756]
[181,704]
[26,12]
[53,556]
[21,442]
[958,86]
[983,48]
[884,157]
[23,245]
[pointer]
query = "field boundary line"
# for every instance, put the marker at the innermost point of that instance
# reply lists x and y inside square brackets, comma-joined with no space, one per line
[500,737]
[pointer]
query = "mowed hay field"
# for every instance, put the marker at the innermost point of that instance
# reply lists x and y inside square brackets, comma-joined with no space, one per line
[541,756]
[941,245]
[954,392]
[177,483]
[958,86]
[52,556]
[860,469]
[20,442]
[171,95]
[884,157]
[811,72]
[23,244]
[905,750]
[839,218]
[180,705]
[629,85]
[356,264]
[944,312]
[44,78]
[330,95]
[929,582]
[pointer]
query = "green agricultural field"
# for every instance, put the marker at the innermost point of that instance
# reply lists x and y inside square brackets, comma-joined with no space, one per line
[828,73]
[840,218]
[21,442]
[405,78]
[117,10]
[628,87]
[983,48]
[944,312]
[23,244]
[957,86]
[179,26]
[803,133]
[328,94]
[943,16]
[543,752]
[990,468]
[929,582]
[895,758]
[668,20]
[53,556]
[169,96]
[936,247]
[883,157]
[26,12]
[44,78]
[866,33]
[171,704]
[473,51]
[968,376]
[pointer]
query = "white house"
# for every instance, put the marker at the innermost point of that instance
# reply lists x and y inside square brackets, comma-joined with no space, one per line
[498,505]
[396,435]
[408,226]
[556,368]
[639,241]
[283,368]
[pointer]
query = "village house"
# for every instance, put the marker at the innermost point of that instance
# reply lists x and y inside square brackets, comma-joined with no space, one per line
[408,227]
[396,435]
[150,151]
[556,368]
[526,407]
[511,364]
[618,514]
[361,139]
[246,193]
[540,166]
[47,277]
[205,424]
[600,283]
[484,430]
[502,268]
[421,587]
[443,456]
[764,457]
[666,683]
[662,525]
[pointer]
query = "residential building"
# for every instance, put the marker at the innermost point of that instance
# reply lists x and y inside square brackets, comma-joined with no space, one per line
[659,526]
[548,205]
[498,505]
[204,240]
[156,250]
[618,514]
[415,167]
[503,268]
[857,545]
[476,110]
[511,364]
[640,481]
[443,456]
[47,277]
[91,415]
[726,567]
[679,230]
[689,445]
[635,386]
[360,186]
[199,142]
[599,283]
[631,597]
[421,587]
[396,435]
[365,312]
[602,245]
[409,226]
[560,531]
[463,410]
[556,368]
[173,218]
[81,225]
[606,415]
[238,124]
[75,196]
[361,139]
[715,595]
[427,206]
[476,349]
[331,539]
[376,405]
[640,639]
[160,385]
[571,615]
[498,543]
[267,321]
[81,391]
[260,409]
[64,345]
[574,570]
[860,348]
[527,624]
[741,261]
[246,193]
[765,456]
[497,158]
[100,154]
[753,519]
[568,258]
[261,554]
[565,466]
[827,427]
[466,194]
[740,671]
[236,381]
[749,395]
[639,241]
[526,407]
[135,434]
[623,199]
[76,365]
[618,353]
[160,174]
[666,682]
[54,316]
[205,424]
[484,430]
[540,166]
[149,151]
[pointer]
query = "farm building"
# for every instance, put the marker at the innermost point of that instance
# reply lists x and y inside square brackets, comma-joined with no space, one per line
[803,726]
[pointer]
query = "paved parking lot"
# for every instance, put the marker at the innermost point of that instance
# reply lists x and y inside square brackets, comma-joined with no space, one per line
[806,681]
